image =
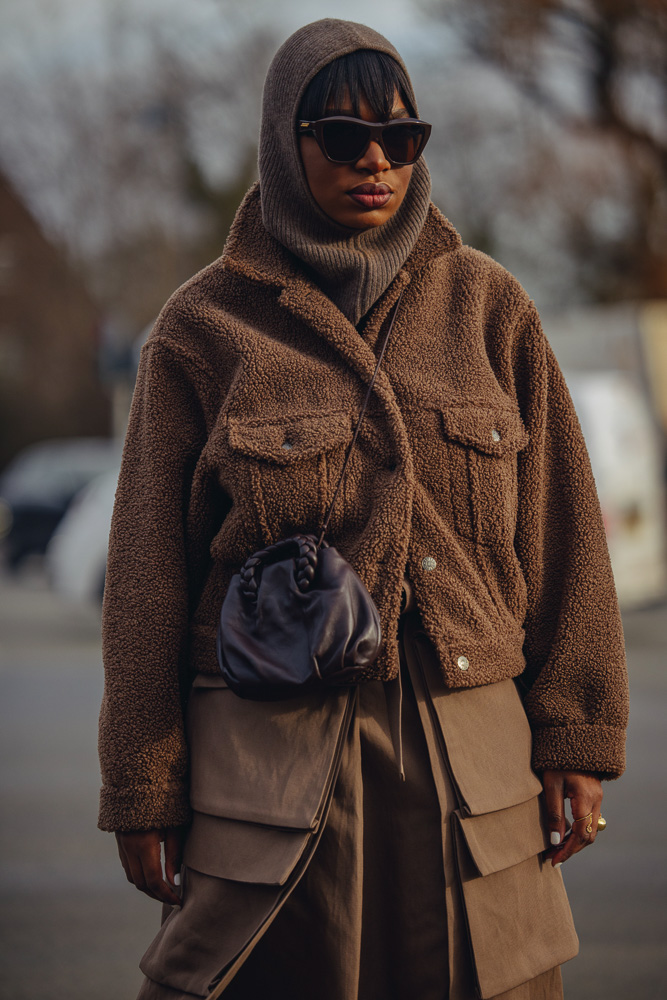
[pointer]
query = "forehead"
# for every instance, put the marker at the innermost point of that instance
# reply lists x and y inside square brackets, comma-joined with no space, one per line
[345,106]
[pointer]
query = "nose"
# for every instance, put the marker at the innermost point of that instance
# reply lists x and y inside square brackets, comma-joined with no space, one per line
[373,159]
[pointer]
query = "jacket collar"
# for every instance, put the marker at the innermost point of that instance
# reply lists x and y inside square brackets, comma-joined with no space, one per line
[251,252]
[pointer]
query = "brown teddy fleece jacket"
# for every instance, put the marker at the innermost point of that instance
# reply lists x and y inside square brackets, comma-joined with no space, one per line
[470,474]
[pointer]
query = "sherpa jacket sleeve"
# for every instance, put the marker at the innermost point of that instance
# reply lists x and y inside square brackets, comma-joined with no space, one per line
[145,610]
[575,679]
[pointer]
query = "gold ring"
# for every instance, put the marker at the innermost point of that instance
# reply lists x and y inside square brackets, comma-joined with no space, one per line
[602,824]
[589,817]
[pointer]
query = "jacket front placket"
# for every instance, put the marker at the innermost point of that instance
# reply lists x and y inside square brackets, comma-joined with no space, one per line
[313,308]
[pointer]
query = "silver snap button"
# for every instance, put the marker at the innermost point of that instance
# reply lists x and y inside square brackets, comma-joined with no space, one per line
[463,662]
[428,563]
[287,445]
[495,435]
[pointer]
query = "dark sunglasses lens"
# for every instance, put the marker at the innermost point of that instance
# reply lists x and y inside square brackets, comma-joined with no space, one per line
[403,142]
[344,140]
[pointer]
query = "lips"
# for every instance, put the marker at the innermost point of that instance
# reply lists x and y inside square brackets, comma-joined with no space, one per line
[371,195]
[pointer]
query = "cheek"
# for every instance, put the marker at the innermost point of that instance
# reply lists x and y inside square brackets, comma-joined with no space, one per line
[316,168]
[404,174]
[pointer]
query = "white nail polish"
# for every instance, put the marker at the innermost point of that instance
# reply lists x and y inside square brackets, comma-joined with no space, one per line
[558,864]
[555,837]
[177,879]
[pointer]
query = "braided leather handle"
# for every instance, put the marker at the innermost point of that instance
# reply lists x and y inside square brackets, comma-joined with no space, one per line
[304,566]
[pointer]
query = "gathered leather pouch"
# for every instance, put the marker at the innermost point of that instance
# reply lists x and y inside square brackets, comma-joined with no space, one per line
[297,616]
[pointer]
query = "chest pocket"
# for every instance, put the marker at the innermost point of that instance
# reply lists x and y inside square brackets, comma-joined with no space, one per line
[290,465]
[482,445]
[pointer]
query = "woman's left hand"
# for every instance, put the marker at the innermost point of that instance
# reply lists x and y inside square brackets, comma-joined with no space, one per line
[584,791]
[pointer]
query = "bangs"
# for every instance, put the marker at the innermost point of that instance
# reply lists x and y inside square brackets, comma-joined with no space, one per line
[345,81]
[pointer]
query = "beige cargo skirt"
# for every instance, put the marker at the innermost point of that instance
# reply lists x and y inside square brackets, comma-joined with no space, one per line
[381,843]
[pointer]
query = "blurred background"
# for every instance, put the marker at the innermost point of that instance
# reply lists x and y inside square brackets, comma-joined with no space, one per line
[128,136]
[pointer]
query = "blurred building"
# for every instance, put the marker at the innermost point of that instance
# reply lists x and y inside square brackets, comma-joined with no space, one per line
[49,381]
[615,362]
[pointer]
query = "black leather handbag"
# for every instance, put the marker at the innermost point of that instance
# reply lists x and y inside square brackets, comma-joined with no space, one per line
[297,616]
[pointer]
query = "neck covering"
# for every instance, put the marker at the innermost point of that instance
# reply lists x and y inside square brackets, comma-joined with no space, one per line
[353,267]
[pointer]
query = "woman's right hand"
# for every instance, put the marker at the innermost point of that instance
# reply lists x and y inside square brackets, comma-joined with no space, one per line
[140,857]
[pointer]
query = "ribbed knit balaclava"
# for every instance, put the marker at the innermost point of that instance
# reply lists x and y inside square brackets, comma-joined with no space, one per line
[353,268]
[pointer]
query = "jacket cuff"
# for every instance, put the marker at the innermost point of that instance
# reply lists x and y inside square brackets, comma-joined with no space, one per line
[144,807]
[591,747]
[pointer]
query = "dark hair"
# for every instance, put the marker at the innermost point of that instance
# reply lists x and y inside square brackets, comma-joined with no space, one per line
[364,73]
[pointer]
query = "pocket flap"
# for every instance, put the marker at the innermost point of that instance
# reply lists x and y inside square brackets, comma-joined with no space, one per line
[493,431]
[487,738]
[506,837]
[290,438]
[264,762]
[243,852]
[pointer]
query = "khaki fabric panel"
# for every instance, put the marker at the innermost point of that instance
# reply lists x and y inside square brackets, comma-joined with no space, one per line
[501,839]
[243,852]
[519,920]
[487,737]
[262,762]
[184,955]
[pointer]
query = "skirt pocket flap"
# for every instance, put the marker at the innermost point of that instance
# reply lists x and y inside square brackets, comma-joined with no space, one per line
[263,762]
[501,839]
[518,917]
[487,736]
[243,852]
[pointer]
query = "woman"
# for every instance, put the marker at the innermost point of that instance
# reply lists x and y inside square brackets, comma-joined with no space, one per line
[392,839]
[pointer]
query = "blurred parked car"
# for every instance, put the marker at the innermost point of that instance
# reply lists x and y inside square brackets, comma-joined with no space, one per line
[38,485]
[76,556]
[627,456]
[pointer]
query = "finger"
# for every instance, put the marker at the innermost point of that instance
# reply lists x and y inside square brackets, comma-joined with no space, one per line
[129,860]
[153,879]
[137,876]
[122,854]
[131,847]
[173,854]
[582,832]
[554,797]
[575,841]
[597,811]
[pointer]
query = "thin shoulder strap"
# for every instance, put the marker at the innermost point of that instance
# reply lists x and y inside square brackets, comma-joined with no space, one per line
[361,417]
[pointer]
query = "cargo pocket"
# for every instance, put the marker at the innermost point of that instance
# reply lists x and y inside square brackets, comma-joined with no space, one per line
[262,778]
[261,773]
[517,915]
[482,445]
[516,909]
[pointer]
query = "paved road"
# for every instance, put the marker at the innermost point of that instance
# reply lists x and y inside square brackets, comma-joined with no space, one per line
[72,927]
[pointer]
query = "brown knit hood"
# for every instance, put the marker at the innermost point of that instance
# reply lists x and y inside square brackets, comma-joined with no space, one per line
[354,268]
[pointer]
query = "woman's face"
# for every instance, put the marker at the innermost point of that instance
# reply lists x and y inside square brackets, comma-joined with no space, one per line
[339,188]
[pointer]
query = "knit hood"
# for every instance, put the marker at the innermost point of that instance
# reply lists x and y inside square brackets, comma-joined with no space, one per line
[353,267]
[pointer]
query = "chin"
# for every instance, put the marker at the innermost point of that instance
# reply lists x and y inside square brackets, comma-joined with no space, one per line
[361,220]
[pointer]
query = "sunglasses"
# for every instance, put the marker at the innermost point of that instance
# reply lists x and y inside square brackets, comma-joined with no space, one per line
[345,140]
